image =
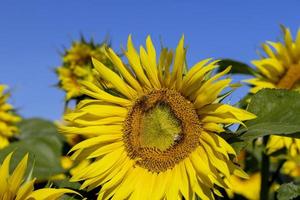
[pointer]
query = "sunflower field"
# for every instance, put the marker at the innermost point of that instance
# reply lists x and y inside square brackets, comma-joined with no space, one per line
[140,123]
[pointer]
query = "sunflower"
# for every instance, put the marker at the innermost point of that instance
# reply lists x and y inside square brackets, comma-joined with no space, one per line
[68,78]
[279,68]
[77,66]
[279,142]
[13,187]
[156,136]
[8,119]
[292,167]
[249,188]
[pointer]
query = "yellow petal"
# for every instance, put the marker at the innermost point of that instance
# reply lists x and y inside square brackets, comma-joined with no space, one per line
[135,63]
[25,190]
[162,180]
[173,189]
[4,173]
[209,93]
[105,110]
[183,183]
[213,127]
[110,76]
[105,149]
[98,167]
[97,141]
[124,71]
[150,70]
[177,74]
[93,91]
[102,121]
[216,161]
[49,194]
[196,73]
[218,108]
[92,130]
[151,53]
[193,180]
[128,185]
[17,177]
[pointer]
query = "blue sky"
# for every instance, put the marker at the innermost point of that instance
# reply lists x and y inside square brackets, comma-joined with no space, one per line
[33,32]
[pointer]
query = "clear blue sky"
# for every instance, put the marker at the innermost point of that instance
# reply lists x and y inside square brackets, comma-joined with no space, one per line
[33,32]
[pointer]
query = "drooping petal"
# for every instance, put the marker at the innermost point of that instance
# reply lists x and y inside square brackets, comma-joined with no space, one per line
[17,176]
[176,78]
[49,194]
[135,63]
[124,71]
[110,76]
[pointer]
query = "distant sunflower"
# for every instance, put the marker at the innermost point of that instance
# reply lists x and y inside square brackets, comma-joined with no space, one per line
[292,167]
[279,142]
[13,187]
[279,68]
[248,188]
[8,119]
[156,135]
[77,66]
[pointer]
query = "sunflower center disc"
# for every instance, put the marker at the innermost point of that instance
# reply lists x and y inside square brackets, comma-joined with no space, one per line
[161,129]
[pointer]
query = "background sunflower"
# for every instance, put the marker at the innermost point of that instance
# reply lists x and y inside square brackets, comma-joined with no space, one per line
[76,66]
[8,118]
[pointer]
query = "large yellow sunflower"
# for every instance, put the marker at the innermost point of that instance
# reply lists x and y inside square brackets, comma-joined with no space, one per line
[156,135]
[77,66]
[14,187]
[279,68]
[8,119]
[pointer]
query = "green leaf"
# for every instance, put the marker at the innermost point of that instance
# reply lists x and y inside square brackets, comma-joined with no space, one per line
[74,197]
[44,145]
[34,127]
[288,191]
[236,67]
[65,183]
[277,111]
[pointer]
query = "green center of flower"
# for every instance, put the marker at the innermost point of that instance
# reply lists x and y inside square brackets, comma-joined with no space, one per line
[160,128]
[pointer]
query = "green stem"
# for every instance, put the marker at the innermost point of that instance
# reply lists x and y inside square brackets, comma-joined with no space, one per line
[265,173]
[276,173]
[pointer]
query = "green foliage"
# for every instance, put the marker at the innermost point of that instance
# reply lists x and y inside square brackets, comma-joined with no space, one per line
[65,183]
[38,127]
[277,111]
[41,140]
[288,191]
[236,67]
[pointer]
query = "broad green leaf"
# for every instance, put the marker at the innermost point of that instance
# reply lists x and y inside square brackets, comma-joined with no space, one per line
[68,197]
[237,67]
[277,111]
[44,152]
[288,191]
[65,183]
[44,145]
[34,127]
